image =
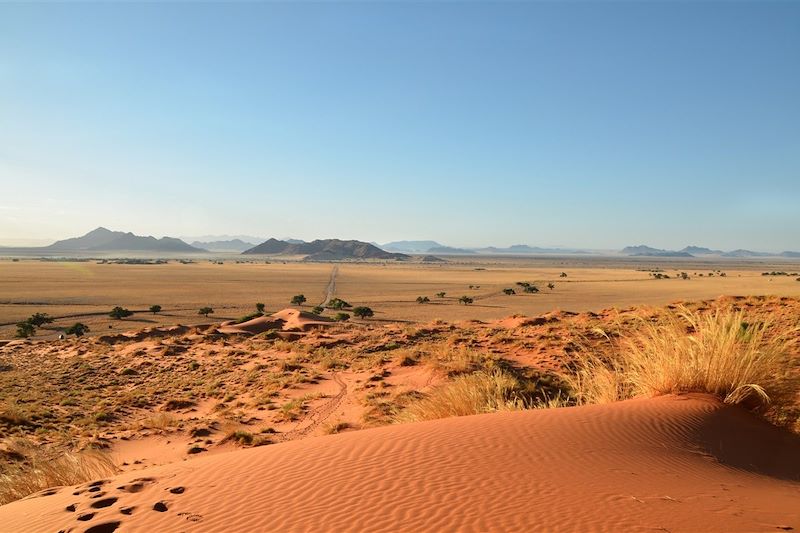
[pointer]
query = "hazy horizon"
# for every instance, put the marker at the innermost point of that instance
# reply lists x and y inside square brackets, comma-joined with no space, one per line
[580,125]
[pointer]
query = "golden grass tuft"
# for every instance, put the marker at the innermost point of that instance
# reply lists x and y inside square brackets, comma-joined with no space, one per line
[476,393]
[42,470]
[740,359]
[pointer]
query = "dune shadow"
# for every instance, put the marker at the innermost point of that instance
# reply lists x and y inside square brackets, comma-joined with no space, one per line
[743,440]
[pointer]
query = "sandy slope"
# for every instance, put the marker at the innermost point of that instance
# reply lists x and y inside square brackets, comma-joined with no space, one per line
[672,464]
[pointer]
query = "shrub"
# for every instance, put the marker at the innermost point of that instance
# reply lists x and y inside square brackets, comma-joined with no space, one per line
[78,329]
[25,330]
[318,310]
[423,299]
[260,308]
[341,317]
[118,313]
[363,312]
[466,300]
[246,318]
[338,303]
[717,353]
[509,291]
[440,294]
[480,392]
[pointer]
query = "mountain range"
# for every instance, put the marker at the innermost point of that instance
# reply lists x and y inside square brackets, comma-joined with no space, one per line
[105,240]
[324,250]
[699,251]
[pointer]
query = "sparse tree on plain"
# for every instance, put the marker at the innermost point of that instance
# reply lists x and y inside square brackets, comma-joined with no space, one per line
[551,285]
[40,319]
[563,275]
[25,330]
[423,299]
[205,311]
[466,300]
[440,294]
[118,313]
[338,303]
[260,308]
[298,299]
[155,309]
[509,291]
[363,312]
[78,329]
[341,317]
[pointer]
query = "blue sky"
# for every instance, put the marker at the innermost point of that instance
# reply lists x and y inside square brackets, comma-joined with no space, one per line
[577,124]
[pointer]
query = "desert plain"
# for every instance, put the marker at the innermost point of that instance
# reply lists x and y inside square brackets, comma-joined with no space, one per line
[520,411]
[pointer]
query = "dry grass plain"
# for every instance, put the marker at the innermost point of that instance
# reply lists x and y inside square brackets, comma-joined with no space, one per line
[86,291]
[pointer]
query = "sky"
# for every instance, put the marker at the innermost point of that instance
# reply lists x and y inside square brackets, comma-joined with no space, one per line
[583,124]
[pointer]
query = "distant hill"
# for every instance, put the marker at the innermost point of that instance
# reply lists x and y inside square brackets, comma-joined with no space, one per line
[233,245]
[746,253]
[105,240]
[324,250]
[790,254]
[215,238]
[411,247]
[646,251]
[699,250]
[524,249]
[449,250]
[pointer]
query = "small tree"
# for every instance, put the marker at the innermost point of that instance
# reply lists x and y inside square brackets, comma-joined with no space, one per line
[440,294]
[39,319]
[155,309]
[363,312]
[25,329]
[423,299]
[205,311]
[78,329]
[551,286]
[118,313]
[563,275]
[318,310]
[684,275]
[298,299]
[341,317]
[509,291]
[338,303]
[531,288]
[466,300]
[260,308]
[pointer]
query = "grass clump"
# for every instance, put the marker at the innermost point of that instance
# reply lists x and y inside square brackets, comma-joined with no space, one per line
[720,353]
[476,393]
[43,469]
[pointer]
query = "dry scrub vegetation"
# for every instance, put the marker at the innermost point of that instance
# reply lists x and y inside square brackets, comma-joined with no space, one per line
[207,389]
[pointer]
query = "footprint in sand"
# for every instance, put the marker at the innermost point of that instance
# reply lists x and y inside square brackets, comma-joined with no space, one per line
[100,504]
[106,527]
[160,506]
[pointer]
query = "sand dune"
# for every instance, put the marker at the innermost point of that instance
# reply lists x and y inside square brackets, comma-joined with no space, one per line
[286,320]
[676,463]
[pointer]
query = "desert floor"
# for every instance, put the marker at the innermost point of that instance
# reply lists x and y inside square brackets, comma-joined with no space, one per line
[86,291]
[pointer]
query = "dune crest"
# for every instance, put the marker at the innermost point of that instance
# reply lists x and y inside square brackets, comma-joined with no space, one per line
[675,463]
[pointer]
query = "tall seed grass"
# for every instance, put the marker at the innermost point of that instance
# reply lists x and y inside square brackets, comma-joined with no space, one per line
[721,353]
[42,470]
[476,393]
